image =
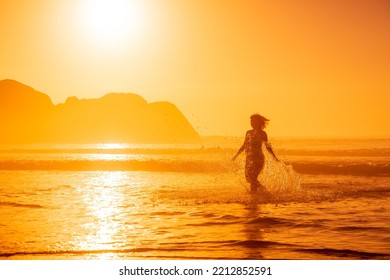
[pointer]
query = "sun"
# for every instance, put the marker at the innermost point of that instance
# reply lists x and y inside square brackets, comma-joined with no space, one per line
[111,23]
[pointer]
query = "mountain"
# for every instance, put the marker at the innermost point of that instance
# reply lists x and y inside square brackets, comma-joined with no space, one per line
[23,113]
[29,116]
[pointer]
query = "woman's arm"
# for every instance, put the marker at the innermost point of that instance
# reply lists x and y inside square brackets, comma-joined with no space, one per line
[269,148]
[242,148]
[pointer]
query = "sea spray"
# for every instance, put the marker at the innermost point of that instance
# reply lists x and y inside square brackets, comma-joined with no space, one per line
[279,181]
[278,177]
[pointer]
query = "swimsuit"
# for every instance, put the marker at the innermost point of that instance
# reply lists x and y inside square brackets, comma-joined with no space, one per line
[254,156]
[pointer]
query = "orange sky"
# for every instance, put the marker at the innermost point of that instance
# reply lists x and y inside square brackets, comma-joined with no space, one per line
[315,68]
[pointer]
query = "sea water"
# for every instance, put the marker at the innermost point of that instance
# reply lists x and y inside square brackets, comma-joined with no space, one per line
[325,199]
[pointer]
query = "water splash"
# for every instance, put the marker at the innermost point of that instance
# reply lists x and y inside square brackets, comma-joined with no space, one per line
[278,177]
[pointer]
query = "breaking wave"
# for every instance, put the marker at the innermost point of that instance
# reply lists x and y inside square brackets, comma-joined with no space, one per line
[198,166]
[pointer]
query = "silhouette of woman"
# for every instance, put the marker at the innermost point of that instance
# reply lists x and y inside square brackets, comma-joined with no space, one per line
[252,145]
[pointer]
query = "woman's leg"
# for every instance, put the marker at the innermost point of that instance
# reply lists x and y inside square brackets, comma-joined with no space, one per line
[255,185]
[252,171]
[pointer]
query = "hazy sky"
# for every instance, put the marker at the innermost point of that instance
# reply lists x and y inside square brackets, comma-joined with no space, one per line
[315,68]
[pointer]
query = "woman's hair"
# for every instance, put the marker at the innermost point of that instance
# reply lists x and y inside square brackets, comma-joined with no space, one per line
[258,121]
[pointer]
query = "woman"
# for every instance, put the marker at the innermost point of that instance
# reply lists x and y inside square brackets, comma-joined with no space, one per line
[254,140]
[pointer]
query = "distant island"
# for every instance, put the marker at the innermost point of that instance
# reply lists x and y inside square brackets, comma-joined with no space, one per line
[29,116]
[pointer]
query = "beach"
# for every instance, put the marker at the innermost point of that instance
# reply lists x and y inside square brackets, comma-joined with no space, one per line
[326,199]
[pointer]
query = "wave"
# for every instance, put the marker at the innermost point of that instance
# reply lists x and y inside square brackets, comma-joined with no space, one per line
[13,204]
[124,151]
[363,229]
[115,165]
[324,253]
[257,244]
[270,222]
[135,253]
[196,150]
[337,168]
[191,166]
[345,254]
[337,153]
[74,252]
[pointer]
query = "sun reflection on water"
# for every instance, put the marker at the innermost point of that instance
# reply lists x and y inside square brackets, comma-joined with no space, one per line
[104,198]
[110,146]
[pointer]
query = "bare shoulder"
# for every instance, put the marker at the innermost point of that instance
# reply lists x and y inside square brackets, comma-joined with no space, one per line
[264,135]
[249,133]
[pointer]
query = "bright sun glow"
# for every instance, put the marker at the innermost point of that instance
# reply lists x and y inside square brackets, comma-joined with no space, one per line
[112,23]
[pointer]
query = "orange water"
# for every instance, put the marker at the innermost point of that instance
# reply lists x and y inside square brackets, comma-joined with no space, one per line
[165,212]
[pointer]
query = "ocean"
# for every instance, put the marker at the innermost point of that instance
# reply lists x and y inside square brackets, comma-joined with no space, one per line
[325,199]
